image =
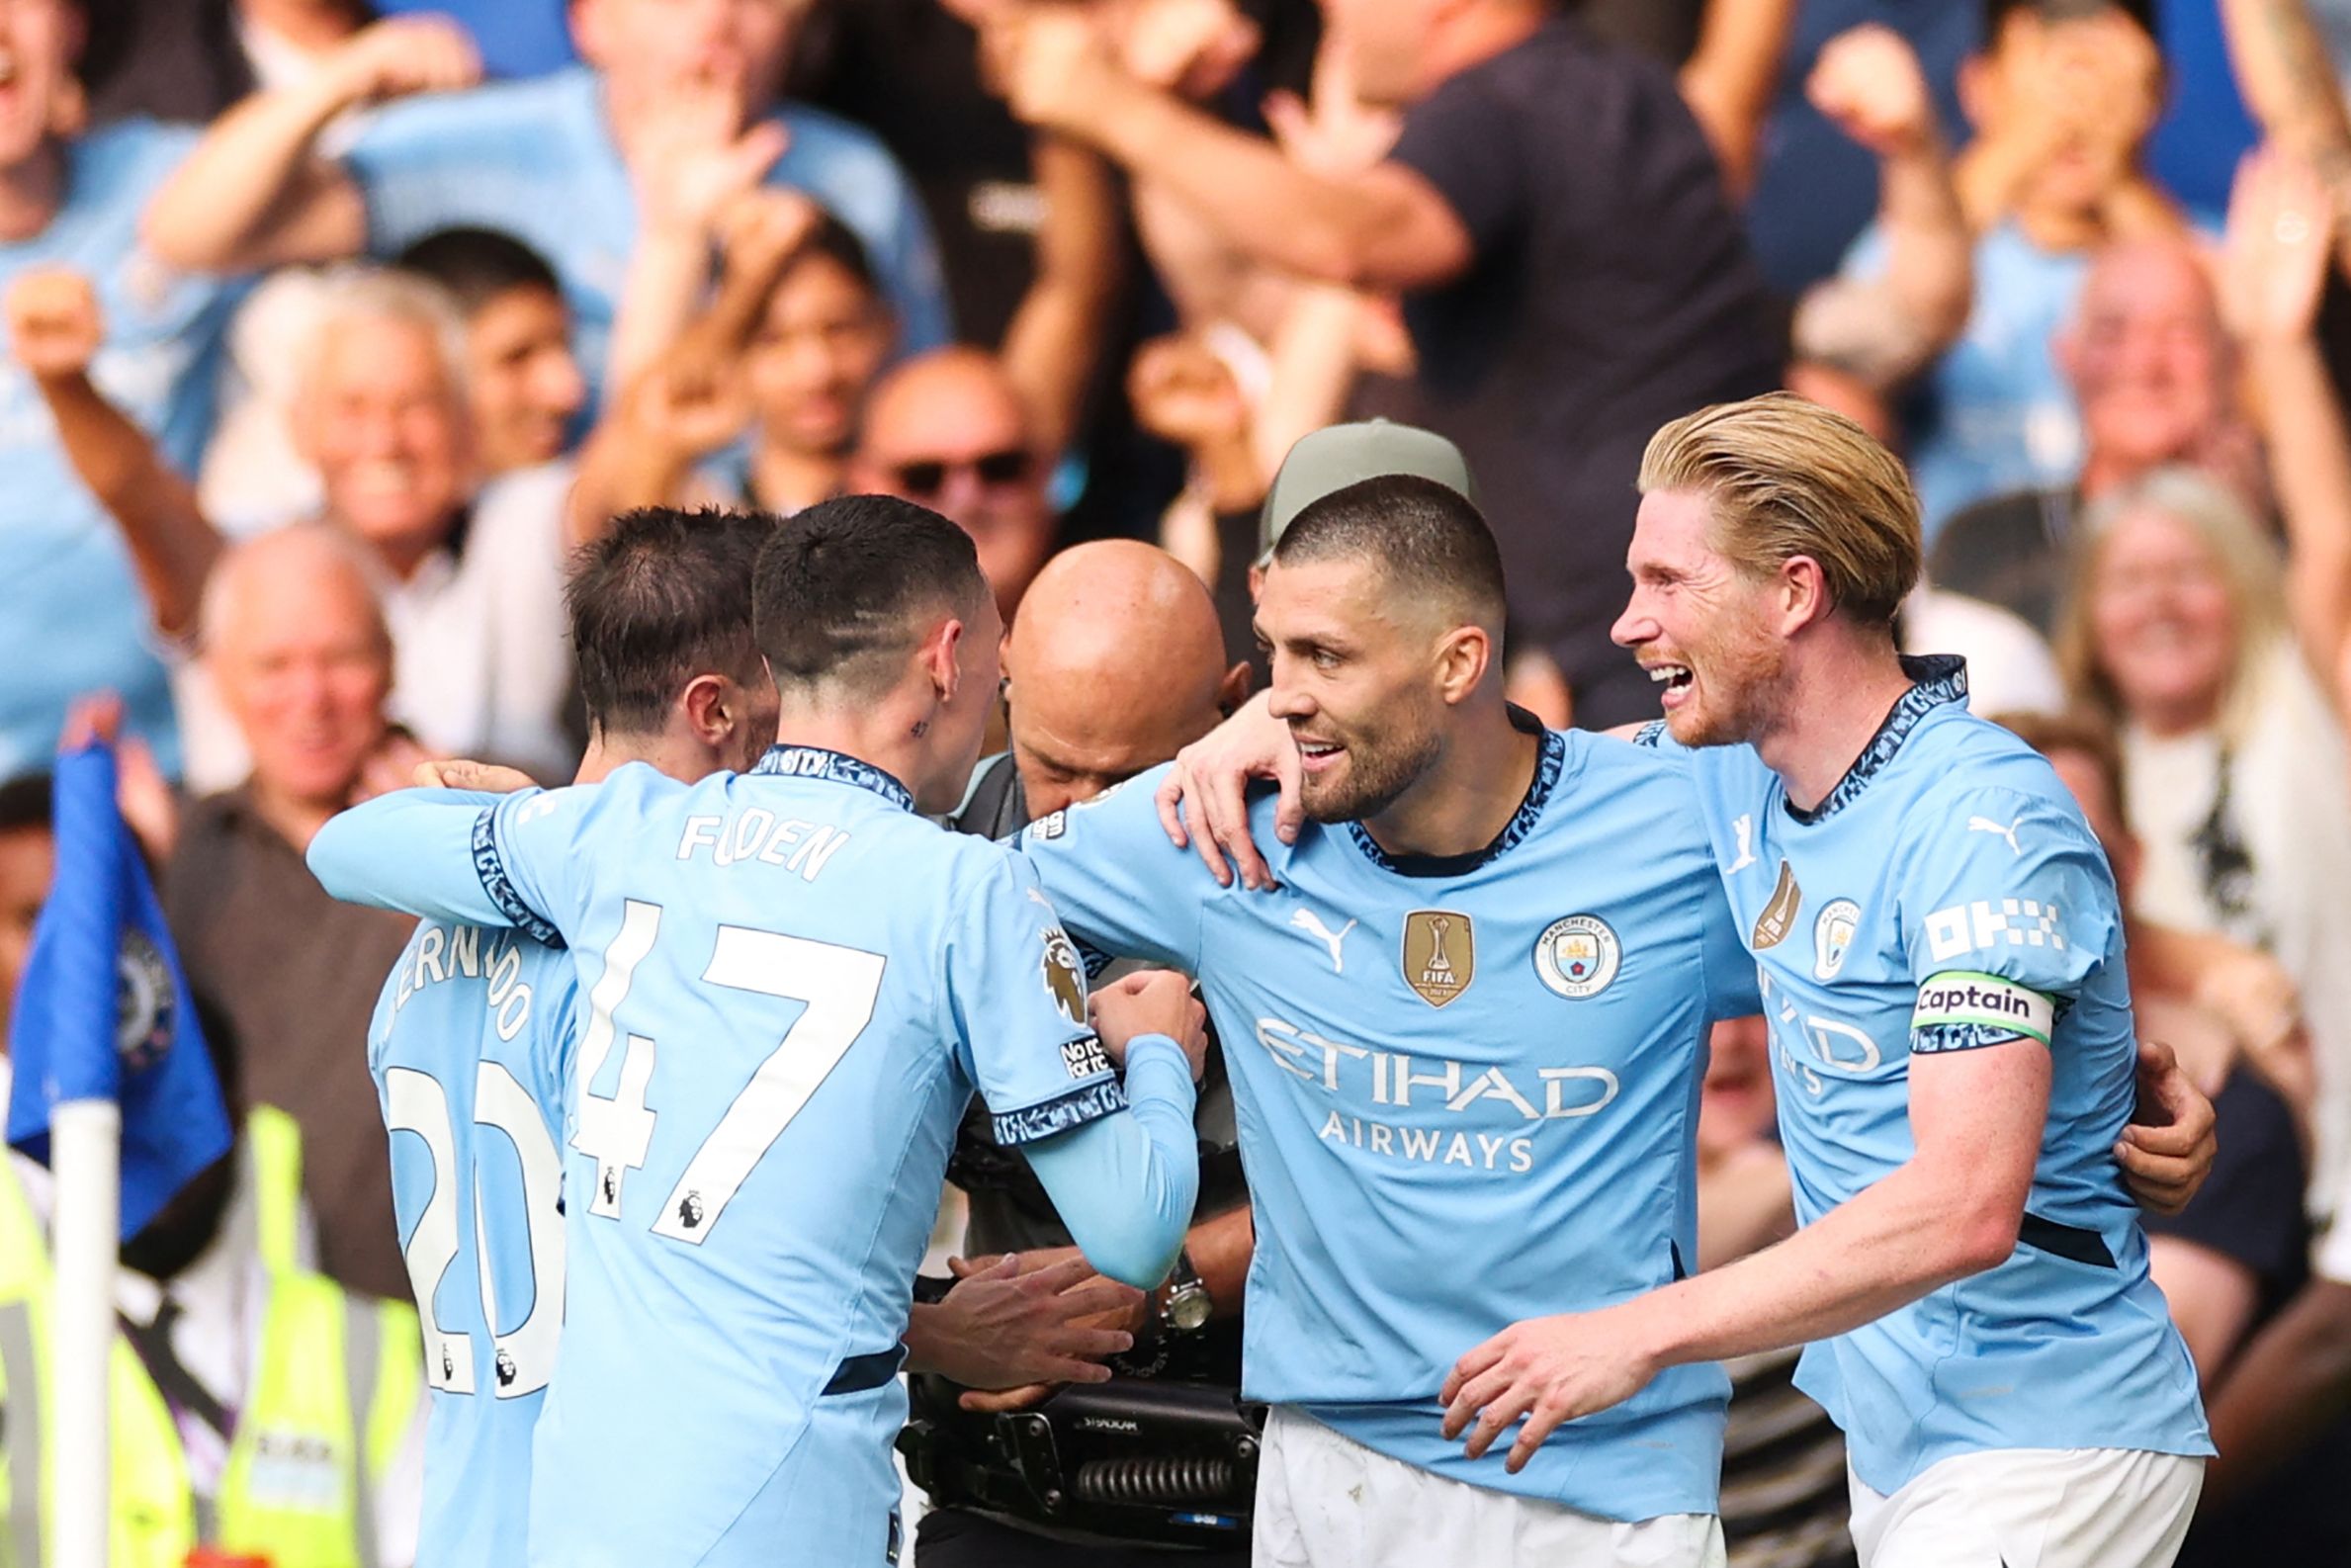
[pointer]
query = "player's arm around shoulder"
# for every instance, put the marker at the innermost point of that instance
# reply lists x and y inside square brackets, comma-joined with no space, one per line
[1118,1159]
[409,850]
[1123,889]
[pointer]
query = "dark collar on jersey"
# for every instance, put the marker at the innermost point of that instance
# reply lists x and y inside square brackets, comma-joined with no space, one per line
[1936,680]
[1547,765]
[815,761]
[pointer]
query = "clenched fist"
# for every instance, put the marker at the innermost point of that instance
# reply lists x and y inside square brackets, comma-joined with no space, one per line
[400,55]
[54,322]
[1868,84]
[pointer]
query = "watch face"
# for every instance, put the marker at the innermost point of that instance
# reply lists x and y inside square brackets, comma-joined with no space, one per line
[1187,1311]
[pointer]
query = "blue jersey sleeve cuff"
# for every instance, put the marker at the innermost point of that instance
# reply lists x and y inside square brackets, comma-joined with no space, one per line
[490,867]
[1075,1108]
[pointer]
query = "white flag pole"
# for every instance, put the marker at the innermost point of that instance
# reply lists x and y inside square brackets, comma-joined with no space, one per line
[85,1152]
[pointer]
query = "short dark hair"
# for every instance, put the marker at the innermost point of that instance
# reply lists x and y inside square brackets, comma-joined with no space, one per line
[27,801]
[1429,539]
[663,596]
[843,588]
[476,265]
[1997,12]
[838,243]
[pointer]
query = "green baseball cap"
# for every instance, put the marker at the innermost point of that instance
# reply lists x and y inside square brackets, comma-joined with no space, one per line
[1330,458]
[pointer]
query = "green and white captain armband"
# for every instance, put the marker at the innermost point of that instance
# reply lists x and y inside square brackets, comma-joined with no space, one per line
[1960,1010]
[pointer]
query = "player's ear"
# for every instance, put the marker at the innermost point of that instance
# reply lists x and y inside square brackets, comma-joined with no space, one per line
[711,708]
[1462,658]
[1233,690]
[940,658]
[1803,593]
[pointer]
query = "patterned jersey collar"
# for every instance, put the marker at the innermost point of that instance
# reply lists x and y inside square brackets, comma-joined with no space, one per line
[1547,768]
[815,761]
[1937,680]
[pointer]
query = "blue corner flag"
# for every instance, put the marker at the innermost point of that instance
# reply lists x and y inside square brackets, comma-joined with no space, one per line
[105,1013]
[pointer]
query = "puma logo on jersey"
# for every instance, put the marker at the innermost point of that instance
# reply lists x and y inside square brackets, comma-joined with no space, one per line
[1312,924]
[1745,828]
[1984,824]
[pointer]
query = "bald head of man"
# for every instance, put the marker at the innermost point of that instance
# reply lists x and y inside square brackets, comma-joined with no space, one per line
[2148,359]
[947,430]
[1116,663]
[295,639]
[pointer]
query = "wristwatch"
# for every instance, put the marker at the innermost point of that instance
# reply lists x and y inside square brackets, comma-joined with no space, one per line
[1187,1306]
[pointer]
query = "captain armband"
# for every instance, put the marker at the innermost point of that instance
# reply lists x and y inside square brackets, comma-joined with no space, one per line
[1958,1011]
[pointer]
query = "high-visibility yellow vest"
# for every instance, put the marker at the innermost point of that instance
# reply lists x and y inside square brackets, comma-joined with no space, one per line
[334,1390]
[273,1178]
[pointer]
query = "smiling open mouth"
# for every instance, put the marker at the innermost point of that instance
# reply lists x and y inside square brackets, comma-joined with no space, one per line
[1673,677]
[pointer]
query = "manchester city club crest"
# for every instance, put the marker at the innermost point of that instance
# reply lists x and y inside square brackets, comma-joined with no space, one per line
[1439,956]
[1578,956]
[1779,917]
[1832,938]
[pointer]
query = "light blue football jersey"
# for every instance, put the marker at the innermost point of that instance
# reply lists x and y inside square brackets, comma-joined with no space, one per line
[1466,1092]
[469,1048]
[1945,896]
[790,987]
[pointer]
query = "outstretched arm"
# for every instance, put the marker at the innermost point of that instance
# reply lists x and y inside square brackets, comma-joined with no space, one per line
[411,851]
[1730,77]
[1385,229]
[2280,221]
[1055,338]
[1883,329]
[255,193]
[1951,1210]
[54,330]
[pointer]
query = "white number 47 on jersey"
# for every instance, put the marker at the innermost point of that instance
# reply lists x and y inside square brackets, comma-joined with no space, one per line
[839,985]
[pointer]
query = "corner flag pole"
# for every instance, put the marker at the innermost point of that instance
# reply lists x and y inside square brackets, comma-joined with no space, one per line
[86,1155]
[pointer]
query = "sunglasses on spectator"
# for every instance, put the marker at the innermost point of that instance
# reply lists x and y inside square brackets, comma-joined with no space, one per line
[927,476]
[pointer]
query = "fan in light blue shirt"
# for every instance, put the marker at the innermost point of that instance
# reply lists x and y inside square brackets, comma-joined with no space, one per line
[72,618]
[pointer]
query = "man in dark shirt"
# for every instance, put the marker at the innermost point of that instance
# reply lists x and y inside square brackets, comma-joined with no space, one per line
[1114,663]
[298,651]
[1572,273]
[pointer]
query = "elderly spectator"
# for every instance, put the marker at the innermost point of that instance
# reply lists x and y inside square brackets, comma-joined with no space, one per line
[298,652]
[2177,632]
[70,617]
[620,164]
[523,383]
[473,589]
[2062,98]
[949,431]
[1573,275]
[2149,365]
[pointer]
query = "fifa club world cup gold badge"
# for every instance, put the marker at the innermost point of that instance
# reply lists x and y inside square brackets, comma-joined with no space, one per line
[1440,954]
